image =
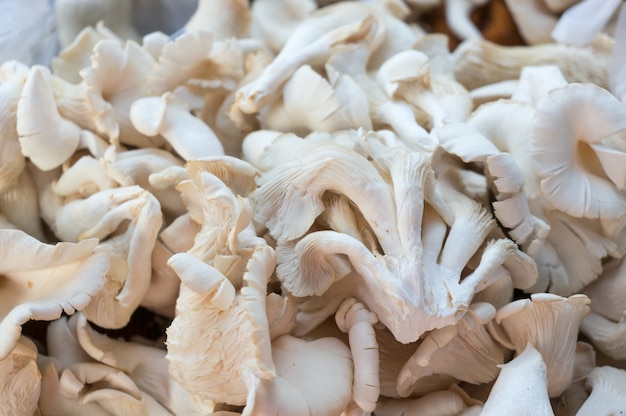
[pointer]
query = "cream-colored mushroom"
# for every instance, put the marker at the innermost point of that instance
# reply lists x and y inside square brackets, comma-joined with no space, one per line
[550,323]
[442,349]
[312,42]
[21,380]
[45,137]
[480,62]
[41,281]
[353,318]
[170,117]
[126,220]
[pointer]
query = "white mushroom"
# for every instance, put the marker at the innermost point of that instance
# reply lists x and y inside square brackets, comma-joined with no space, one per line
[607,397]
[550,323]
[39,123]
[521,388]
[187,134]
[57,278]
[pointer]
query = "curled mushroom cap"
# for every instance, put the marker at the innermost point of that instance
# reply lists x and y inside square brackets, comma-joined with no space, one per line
[56,279]
[585,178]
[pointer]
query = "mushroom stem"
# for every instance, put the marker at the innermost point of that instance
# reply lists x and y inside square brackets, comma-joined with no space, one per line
[353,318]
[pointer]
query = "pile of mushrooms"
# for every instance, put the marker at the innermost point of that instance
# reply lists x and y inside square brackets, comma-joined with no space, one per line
[338,214]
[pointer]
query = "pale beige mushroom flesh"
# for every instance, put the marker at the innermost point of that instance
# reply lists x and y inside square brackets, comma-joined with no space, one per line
[322,208]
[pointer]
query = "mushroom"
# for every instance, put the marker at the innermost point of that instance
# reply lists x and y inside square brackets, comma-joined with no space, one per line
[21,380]
[326,390]
[521,388]
[126,220]
[61,278]
[353,318]
[223,19]
[410,236]
[187,134]
[607,392]
[593,149]
[478,62]
[550,323]
[312,42]
[576,25]
[442,349]
[39,122]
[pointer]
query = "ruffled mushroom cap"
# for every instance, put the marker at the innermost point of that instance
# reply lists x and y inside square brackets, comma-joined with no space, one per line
[76,56]
[521,388]
[468,342]
[584,178]
[311,43]
[212,322]
[101,102]
[303,386]
[196,59]
[42,281]
[310,103]
[550,323]
[127,221]
[21,381]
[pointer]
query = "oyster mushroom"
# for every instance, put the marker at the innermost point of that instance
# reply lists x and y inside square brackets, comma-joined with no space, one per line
[21,380]
[594,147]
[550,324]
[521,388]
[39,123]
[607,392]
[410,235]
[188,135]
[325,391]
[469,342]
[59,278]
[352,317]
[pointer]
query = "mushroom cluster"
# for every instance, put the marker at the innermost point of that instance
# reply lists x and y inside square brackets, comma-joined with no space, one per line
[336,214]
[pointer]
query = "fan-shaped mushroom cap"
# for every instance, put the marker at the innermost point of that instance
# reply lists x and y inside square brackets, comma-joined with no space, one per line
[42,281]
[584,178]
[550,323]
[212,323]
[468,341]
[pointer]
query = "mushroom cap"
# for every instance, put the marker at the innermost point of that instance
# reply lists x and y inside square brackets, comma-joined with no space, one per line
[314,378]
[580,172]
[41,281]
